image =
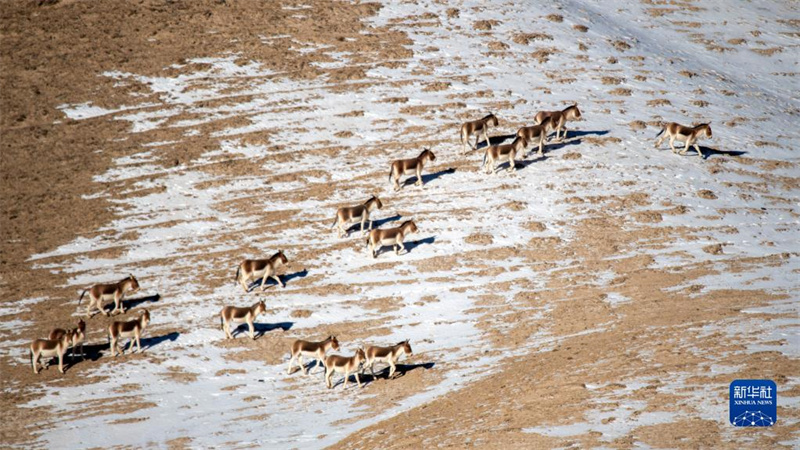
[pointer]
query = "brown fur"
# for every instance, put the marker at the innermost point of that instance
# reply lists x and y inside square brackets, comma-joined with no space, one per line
[504,151]
[50,348]
[390,236]
[240,314]
[78,336]
[337,363]
[347,215]
[403,166]
[100,292]
[475,127]
[133,329]
[559,118]
[251,269]
[689,136]
[316,350]
[537,134]
[388,354]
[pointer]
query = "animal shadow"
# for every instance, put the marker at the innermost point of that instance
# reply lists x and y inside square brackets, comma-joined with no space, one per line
[400,370]
[579,133]
[411,245]
[134,302]
[429,177]
[495,140]
[92,352]
[708,152]
[270,282]
[262,328]
[153,341]
[375,223]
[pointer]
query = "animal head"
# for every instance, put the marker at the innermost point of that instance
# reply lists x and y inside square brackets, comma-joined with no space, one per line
[576,113]
[66,338]
[547,123]
[406,347]
[491,118]
[708,129]
[281,256]
[427,154]
[261,308]
[81,325]
[134,282]
[520,143]
[410,226]
[334,342]
[145,317]
[374,200]
[360,355]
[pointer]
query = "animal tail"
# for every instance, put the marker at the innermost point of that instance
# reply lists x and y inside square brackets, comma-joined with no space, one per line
[31,352]
[391,170]
[485,154]
[82,294]
[221,323]
[661,132]
[367,242]
[236,278]
[335,219]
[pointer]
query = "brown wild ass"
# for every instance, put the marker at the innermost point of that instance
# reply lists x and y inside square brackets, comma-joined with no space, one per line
[359,213]
[688,135]
[233,314]
[314,350]
[559,118]
[342,364]
[49,348]
[402,167]
[103,292]
[78,335]
[476,127]
[504,151]
[253,269]
[386,354]
[390,236]
[133,329]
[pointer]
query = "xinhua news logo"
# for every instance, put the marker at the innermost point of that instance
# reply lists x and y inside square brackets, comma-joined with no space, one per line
[753,403]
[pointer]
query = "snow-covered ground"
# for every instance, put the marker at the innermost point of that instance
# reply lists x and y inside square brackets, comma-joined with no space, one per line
[184,218]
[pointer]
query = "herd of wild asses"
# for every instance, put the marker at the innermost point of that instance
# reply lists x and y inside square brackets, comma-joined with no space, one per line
[60,340]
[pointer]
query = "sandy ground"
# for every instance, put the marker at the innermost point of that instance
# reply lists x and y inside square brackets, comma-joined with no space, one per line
[638,371]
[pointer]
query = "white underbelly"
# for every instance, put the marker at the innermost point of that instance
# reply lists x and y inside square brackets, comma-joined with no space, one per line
[392,241]
[49,353]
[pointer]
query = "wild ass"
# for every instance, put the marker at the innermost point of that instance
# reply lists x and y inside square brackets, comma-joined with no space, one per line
[234,314]
[103,292]
[342,364]
[49,348]
[402,167]
[559,118]
[688,135]
[252,269]
[78,335]
[537,134]
[133,329]
[314,350]
[504,151]
[390,236]
[476,127]
[359,213]
[386,354]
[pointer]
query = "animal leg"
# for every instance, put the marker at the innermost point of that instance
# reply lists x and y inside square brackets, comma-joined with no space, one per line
[486,135]
[278,279]
[328,375]
[228,334]
[672,145]
[319,362]
[289,369]
[419,175]
[392,368]
[264,281]
[541,147]
[243,280]
[685,147]
[252,329]
[346,376]
[358,380]
[697,149]
[61,362]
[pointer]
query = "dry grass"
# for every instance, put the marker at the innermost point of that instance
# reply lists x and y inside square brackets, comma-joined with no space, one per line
[612,80]
[554,18]
[581,28]
[658,102]
[621,92]
[526,38]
